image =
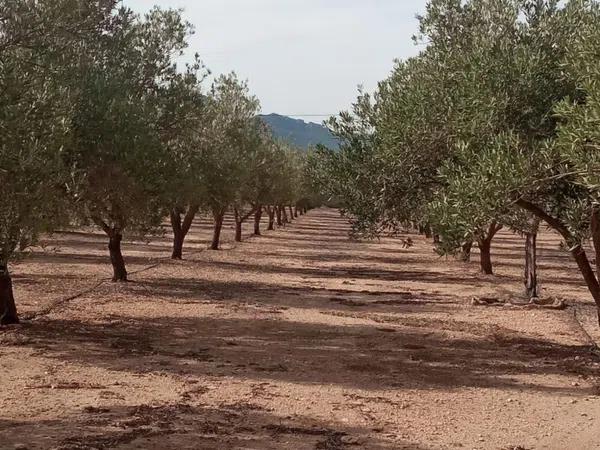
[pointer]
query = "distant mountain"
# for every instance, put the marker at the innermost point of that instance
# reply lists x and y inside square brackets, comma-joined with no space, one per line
[300,133]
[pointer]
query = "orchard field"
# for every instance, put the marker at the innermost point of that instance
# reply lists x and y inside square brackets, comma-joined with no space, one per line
[299,339]
[177,273]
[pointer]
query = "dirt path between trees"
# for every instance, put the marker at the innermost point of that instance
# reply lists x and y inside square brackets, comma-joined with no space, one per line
[300,339]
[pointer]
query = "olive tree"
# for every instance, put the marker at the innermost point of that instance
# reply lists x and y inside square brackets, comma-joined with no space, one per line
[231,112]
[540,152]
[39,42]
[119,153]
[181,124]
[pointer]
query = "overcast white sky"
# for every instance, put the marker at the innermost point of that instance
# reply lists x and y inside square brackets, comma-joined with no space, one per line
[300,56]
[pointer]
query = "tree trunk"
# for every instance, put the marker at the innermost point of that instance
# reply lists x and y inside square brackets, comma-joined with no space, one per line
[436,239]
[300,211]
[279,216]
[596,242]
[116,257]
[295,211]
[291,213]
[177,236]
[238,225]
[238,231]
[271,212]
[428,232]
[485,248]
[181,228]
[8,309]
[577,251]
[257,218]
[285,217]
[596,237]
[465,253]
[531,284]
[218,216]
[588,275]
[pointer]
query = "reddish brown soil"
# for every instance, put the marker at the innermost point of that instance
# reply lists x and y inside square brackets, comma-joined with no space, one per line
[300,339]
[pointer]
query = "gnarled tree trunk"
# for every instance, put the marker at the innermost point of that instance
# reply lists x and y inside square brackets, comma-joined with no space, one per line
[116,256]
[218,216]
[8,309]
[115,237]
[240,218]
[485,248]
[257,218]
[181,228]
[531,280]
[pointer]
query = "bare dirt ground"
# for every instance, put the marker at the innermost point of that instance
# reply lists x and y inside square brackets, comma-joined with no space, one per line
[300,339]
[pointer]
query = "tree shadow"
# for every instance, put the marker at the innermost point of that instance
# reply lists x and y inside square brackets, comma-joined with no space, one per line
[185,425]
[235,293]
[393,353]
[355,273]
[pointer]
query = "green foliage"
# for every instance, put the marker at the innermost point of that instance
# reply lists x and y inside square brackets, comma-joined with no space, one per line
[228,140]
[500,106]
[37,50]
[123,120]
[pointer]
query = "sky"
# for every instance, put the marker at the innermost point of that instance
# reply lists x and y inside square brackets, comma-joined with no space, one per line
[300,57]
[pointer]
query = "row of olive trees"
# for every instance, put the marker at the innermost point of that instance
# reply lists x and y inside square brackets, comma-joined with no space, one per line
[495,124]
[98,126]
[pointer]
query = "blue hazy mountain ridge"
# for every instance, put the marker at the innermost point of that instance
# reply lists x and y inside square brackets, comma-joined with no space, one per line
[300,133]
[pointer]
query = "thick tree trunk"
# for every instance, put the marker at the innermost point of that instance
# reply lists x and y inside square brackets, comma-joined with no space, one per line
[116,256]
[8,309]
[257,218]
[178,239]
[295,211]
[279,216]
[577,251]
[485,249]
[238,231]
[238,225]
[291,213]
[531,284]
[271,212]
[181,228]
[218,216]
